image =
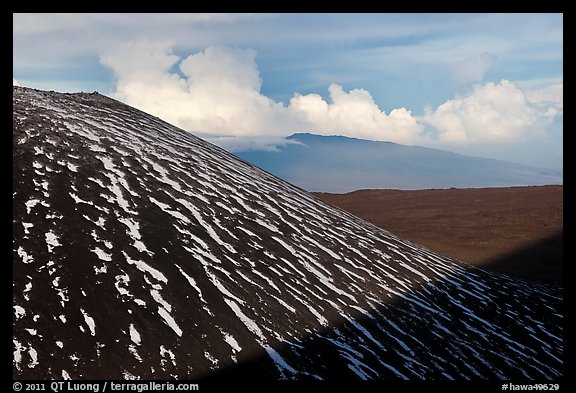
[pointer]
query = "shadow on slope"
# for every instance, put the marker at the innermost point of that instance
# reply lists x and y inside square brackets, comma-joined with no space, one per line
[472,326]
[542,260]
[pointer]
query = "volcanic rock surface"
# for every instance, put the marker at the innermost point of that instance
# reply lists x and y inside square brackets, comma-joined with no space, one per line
[141,251]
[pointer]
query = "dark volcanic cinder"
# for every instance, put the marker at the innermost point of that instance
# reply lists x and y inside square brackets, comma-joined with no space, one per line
[141,251]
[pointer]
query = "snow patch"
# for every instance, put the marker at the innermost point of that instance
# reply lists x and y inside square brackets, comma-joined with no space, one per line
[145,268]
[164,351]
[27,225]
[250,324]
[134,335]
[51,241]
[212,359]
[89,321]
[232,342]
[132,349]
[24,256]
[17,355]
[19,312]
[102,254]
[164,311]
[280,362]
[33,357]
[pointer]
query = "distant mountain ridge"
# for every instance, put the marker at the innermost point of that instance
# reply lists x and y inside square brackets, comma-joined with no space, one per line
[344,164]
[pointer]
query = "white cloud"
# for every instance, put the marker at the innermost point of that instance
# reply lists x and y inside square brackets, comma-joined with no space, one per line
[15,82]
[250,143]
[491,112]
[217,92]
[140,60]
[548,94]
[355,114]
[551,96]
[472,69]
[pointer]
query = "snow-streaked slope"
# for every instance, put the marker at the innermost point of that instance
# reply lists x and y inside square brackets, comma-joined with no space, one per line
[142,251]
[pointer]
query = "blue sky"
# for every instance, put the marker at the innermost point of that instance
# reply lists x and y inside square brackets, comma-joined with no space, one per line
[489,85]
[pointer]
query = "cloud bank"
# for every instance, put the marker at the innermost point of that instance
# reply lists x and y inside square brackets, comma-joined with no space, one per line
[218,91]
[491,113]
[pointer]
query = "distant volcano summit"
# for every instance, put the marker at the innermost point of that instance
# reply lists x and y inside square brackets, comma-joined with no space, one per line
[342,164]
[141,251]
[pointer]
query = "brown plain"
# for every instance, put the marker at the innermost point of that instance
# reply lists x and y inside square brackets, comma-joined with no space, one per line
[515,230]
